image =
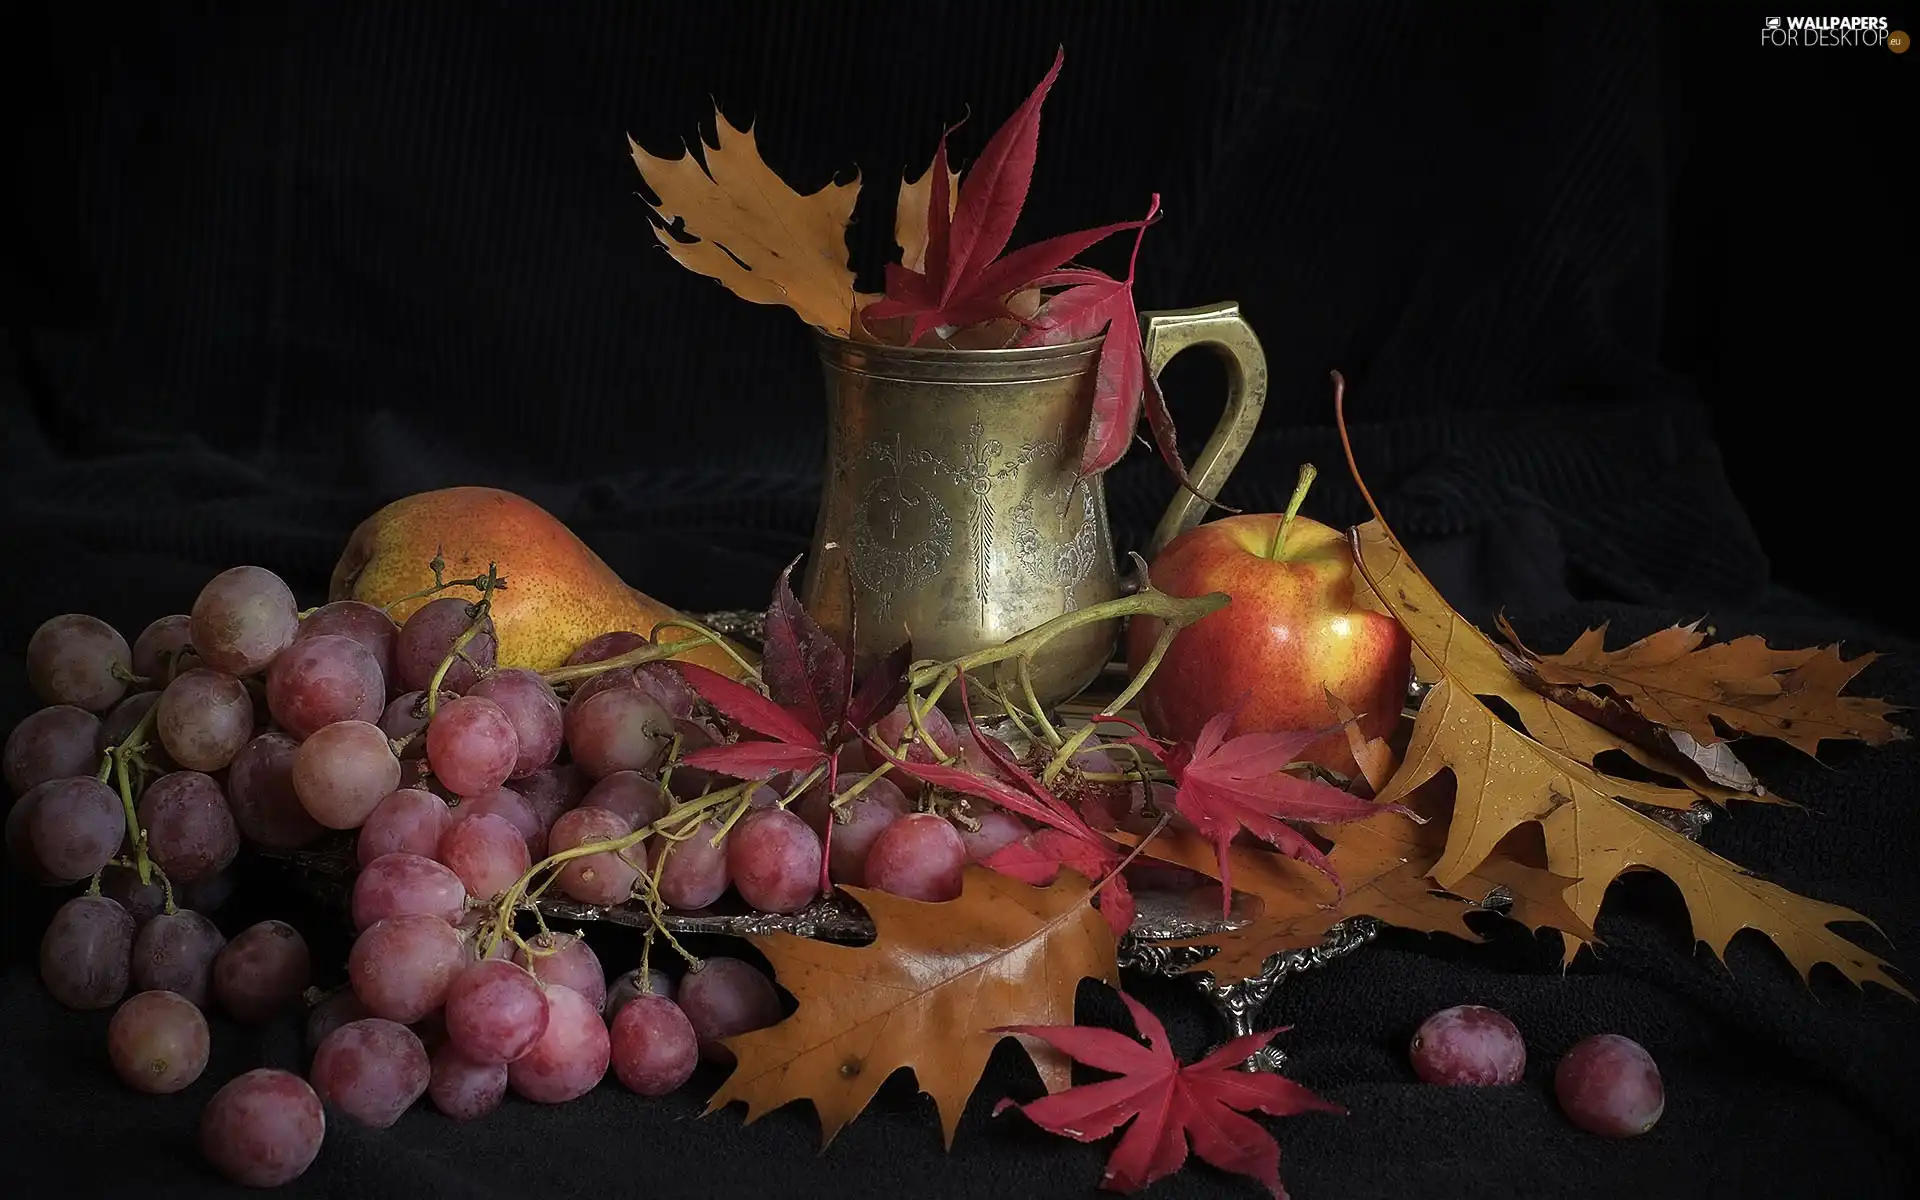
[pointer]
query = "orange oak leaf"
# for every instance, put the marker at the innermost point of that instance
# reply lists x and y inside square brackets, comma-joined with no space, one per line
[1168,1104]
[929,993]
[1541,774]
[761,239]
[1674,678]
[910,216]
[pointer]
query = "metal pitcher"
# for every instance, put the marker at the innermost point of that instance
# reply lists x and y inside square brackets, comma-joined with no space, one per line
[950,492]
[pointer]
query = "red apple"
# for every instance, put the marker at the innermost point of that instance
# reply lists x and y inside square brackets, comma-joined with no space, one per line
[1292,632]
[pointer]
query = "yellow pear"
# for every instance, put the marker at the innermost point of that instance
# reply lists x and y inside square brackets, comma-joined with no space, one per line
[558,595]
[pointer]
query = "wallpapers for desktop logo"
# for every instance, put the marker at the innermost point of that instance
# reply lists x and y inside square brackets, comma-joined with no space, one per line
[1830,31]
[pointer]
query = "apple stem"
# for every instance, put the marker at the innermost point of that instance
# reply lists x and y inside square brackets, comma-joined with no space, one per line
[1308,473]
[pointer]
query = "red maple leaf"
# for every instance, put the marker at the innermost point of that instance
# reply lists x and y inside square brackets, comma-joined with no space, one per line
[812,708]
[1225,785]
[1169,1105]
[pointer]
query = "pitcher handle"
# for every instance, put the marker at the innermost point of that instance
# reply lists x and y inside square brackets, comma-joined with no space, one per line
[1220,327]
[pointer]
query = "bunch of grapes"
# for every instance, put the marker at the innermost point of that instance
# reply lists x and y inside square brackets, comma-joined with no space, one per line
[469,790]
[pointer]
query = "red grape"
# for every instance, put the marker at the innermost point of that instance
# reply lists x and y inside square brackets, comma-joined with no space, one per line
[174,952]
[406,716]
[695,872]
[1468,1045]
[463,1089]
[534,711]
[409,821]
[565,960]
[569,1057]
[920,857]
[471,745]
[322,679]
[53,743]
[630,794]
[164,649]
[84,952]
[725,996]
[774,860]
[666,684]
[79,660]
[1610,1085]
[158,1042]
[144,901]
[998,828]
[74,826]
[511,807]
[261,796]
[262,972]
[242,619]
[606,877]
[190,829]
[486,852]
[620,729]
[371,1070]
[891,729]
[496,1010]
[402,967]
[427,638]
[406,884]
[207,893]
[335,1009]
[204,718]
[605,646]
[653,1046]
[118,725]
[362,622]
[586,689]
[552,791]
[855,827]
[343,771]
[654,982]
[263,1129]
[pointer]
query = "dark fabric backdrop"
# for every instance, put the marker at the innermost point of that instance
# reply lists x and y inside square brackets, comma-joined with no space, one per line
[1622,297]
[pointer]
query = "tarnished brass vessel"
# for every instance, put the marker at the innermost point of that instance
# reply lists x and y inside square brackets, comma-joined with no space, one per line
[950,492]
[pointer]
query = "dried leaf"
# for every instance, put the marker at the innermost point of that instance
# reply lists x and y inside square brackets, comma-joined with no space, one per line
[1374,756]
[931,993]
[1673,678]
[1505,779]
[910,215]
[1168,1103]
[757,236]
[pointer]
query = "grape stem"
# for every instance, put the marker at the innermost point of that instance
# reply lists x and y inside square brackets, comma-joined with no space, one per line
[113,768]
[480,614]
[440,583]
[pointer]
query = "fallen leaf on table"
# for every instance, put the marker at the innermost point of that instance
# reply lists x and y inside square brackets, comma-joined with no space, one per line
[757,236]
[1675,679]
[1385,861]
[930,993]
[1505,779]
[1169,1104]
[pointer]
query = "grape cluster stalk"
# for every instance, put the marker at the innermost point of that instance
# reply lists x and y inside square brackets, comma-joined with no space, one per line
[472,792]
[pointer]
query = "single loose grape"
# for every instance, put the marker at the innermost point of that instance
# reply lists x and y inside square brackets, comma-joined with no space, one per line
[402,967]
[569,1058]
[204,719]
[372,1070]
[190,830]
[495,1012]
[920,857]
[471,745]
[463,1089]
[725,996]
[1468,1045]
[262,972]
[428,637]
[322,679]
[1610,1085]
[774,860]
[263,1129]
[343,771]
[158,1042]
[164,649]
[534,710]
[174,952]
